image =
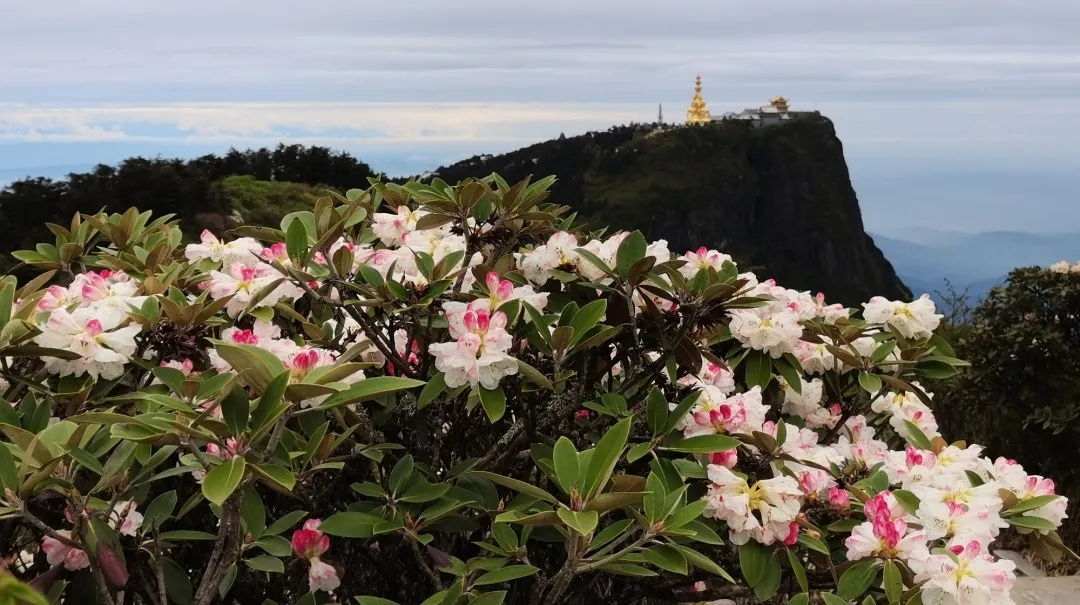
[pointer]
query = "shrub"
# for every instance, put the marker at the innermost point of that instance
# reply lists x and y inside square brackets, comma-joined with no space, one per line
[437,394]
[1019,398]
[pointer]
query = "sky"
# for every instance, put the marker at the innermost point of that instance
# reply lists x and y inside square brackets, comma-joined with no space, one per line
[957,114]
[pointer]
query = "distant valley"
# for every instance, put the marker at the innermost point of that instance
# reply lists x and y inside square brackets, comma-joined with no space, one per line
[924,258]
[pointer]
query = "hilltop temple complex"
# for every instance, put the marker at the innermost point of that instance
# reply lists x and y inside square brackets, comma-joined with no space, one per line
[778,110]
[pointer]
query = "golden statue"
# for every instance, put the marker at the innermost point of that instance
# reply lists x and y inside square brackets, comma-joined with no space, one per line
[698,112]
[780,103]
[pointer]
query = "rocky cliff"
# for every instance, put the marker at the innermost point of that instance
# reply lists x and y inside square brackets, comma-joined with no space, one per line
[778,198]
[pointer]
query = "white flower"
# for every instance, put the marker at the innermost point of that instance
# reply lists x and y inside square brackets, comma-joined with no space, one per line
[93,334]
[244,250]
[915,319]
[128,519]
[390,228]
[479,355]
[57,552]
[969,577]
[733,501]
[703,259]
[322,576]
[1061,266]
[775,333]
[243,282]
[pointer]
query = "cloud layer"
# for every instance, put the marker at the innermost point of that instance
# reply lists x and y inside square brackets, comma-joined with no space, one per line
[914,86]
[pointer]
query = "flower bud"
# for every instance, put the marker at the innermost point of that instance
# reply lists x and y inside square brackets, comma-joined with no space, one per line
[839,499]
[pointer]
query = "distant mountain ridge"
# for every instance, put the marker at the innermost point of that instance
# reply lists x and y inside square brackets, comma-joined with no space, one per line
[925,258]
[778,199]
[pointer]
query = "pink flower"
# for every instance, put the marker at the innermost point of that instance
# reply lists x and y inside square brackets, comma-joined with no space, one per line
[309,542]
[581,414]
[57,552]
[792,537]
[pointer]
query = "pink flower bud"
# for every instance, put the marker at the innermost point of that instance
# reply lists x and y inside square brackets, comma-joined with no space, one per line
[309,543]
[726,459]
[793,534]
[839,499]
[581,414]
[93,327]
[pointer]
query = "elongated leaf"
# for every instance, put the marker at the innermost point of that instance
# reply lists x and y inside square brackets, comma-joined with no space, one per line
[565,459]
[705,444]
[604,458]
[518,486]
[631,250]
[857,579]
[222,480]
[494,402]
[667,558]
[583,522]
[267,563]
[513,572]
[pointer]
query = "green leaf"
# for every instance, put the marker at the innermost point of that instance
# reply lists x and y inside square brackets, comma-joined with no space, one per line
[587,317]
[705,444]
[266,562]
[583,522]
[814,544]
[350,525]
[916,437]
[800,599]
[285,522]
[908,500]
[401,473]
[432,389]
[639,450]
[857,579]
[767,587]
[494,402]
[296,241]
[753,559]
[185,535]
[490,598]
[1031,523]
[871,383]
[235,407]
[609,533]
[894,582]
[367,389]
[797,568]
[160,509]
[831,599]
[631,250]
[1031,504]
[656,411]
[374,601]
[667,558]
[758,369]
[518,486]
[686,514]
[565,459]
[702,562]
[83,458]
[227,581]
[605,455]
[680,412]
[222,480]
[424,492]
[253,512]
[275,545]
[177,584]
[505,574]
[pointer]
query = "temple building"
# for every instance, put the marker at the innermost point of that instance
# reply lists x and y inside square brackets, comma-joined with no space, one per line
[777,111]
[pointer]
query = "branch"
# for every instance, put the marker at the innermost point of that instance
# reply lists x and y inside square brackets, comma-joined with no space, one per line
[225,550]
[159,570]
[431,575]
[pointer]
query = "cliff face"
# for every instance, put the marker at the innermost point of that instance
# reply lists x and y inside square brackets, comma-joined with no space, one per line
[778,199]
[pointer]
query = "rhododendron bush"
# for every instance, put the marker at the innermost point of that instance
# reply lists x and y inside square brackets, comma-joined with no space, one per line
[435,394]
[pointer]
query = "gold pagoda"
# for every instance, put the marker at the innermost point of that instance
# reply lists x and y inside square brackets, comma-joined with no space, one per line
[698,112]
[781,104]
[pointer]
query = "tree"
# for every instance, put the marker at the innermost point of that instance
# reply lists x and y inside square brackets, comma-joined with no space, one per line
[1023,342]
[449,394]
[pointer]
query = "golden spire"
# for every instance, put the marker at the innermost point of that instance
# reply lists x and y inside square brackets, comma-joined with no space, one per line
[780,103]
[698,112]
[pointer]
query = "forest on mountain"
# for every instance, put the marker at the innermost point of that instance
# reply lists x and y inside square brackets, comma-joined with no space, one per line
[198,191]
